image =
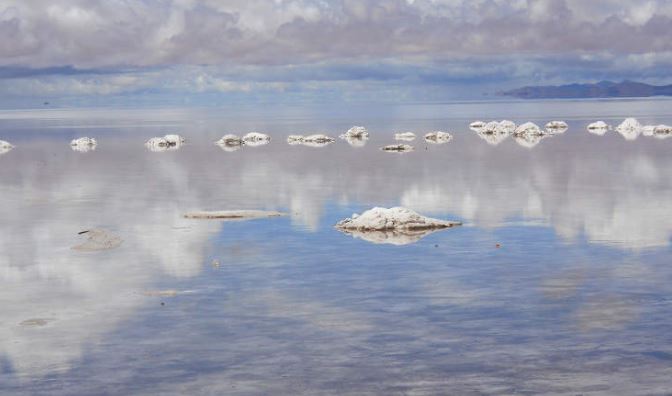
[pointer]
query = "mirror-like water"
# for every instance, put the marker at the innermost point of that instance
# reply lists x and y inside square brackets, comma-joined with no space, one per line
[558,282]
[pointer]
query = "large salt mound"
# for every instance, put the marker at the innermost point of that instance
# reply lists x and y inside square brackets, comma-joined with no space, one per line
[397,218]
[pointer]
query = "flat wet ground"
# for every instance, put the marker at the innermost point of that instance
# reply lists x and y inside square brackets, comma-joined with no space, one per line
[559,282]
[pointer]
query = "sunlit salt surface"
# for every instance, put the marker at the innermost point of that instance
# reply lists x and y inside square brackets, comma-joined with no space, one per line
[558,282]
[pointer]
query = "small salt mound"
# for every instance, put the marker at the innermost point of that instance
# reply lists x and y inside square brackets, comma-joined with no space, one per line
[630,129]
[648,130]
[506,126]
[529,129]
[157,144]
[174,140]
[165,143]
[397,148]
[405,136]
[598,128]
[5,147]
[397,218]
[229,140]
[438,137]
[476,126]
[294,139]
[662,131]
[254,139]
[556,127]
[356,132]
[316,140]
[83,144]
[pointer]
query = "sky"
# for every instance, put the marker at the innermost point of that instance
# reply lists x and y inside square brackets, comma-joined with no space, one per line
[213,51]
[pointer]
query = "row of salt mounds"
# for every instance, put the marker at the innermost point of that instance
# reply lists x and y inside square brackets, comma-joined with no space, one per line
[5,147]
[438,137]
[630,129]
[165,143]
[404,136]
[316,140]
[83,144]
[356,136]
[397,218]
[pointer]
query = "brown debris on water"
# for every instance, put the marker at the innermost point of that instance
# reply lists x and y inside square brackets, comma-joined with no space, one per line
[98,239]
[233,214]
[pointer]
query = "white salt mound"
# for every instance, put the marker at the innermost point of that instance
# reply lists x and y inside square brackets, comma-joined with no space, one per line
[528,128]
[397,148]
[506,126]
[556,127]
[438,137]
[318,138]
[5,146]
[598,128]
[256,139]
[397,218]
[356,132]
[230,140]
[630,129]
[294,139]
[174,140]
[477,125]
[406,136]
[83,144]
[157,144]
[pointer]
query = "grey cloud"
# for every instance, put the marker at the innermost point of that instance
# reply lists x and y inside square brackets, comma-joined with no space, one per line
[154,32]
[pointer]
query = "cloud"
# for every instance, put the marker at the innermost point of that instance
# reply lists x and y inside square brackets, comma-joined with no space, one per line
[158,32]
[245,47]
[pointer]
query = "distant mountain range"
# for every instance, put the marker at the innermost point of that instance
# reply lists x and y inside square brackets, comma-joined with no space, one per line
[603,89]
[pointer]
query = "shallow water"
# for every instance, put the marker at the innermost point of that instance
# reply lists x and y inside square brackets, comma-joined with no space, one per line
[575,300]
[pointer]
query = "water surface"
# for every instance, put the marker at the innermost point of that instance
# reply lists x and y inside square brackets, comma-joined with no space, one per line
[559,282]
